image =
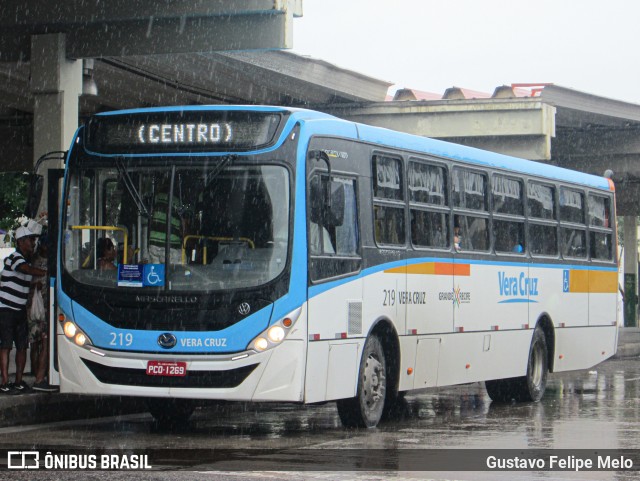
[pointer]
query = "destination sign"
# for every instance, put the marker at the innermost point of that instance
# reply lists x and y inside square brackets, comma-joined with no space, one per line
[182,131]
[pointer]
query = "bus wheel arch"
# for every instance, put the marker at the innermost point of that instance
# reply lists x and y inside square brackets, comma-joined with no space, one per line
[545,323]
[531,386]
[378,378]
[388,336]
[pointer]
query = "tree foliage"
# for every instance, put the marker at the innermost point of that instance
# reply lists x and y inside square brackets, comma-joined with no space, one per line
[14,188]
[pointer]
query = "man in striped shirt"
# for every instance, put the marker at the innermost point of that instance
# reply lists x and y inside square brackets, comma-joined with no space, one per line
[14,291]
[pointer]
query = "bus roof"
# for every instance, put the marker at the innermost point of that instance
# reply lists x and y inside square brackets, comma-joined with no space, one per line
[390,138]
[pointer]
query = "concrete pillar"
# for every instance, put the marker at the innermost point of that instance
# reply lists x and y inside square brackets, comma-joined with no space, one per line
[56,84]
[630,271]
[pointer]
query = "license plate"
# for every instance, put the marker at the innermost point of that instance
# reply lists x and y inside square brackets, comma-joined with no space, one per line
[166,368]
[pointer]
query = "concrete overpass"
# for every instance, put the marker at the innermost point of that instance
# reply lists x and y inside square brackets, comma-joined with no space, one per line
[551,124]
[61,61]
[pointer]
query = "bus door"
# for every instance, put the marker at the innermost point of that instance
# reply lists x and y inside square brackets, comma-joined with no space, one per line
[335,313]
[44,200]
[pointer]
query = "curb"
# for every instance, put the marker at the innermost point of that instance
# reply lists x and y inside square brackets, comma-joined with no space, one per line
[38,407]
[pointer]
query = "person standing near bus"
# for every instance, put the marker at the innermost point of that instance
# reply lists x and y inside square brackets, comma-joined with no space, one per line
[14,292]
[39,327]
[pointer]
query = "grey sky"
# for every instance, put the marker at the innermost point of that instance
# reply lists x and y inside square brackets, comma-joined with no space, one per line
[430,45]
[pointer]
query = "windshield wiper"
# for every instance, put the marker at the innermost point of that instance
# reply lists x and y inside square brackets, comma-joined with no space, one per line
[226,160]
[133,192]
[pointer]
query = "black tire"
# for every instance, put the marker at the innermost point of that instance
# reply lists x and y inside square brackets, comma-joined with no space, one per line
[365,410]
[170,412]
[528,388]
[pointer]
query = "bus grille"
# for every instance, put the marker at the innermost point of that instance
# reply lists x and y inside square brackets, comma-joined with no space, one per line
[355,317]
[194,379]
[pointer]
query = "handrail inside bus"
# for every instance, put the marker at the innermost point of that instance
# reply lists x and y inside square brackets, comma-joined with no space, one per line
[215,238]
[105,227]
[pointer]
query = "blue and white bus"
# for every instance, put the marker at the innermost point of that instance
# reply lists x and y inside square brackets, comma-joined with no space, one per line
[279,254]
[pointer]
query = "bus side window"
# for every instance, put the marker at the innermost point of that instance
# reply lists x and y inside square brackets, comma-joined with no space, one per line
[333,232]
[389,200]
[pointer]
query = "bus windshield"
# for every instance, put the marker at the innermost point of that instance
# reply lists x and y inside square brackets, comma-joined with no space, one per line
[211,225]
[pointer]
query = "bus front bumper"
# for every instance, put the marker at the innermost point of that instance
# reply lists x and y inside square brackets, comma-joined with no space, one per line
[273,375]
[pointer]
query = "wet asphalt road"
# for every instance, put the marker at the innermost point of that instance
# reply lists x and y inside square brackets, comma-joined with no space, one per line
[595,409]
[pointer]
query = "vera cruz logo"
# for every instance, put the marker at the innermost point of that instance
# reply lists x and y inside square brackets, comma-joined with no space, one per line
[519,288]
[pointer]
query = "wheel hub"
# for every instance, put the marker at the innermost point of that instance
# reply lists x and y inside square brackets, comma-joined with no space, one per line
[375,384]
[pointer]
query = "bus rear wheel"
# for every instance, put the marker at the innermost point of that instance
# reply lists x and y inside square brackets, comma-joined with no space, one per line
[530,387]
[170,412]
[365,410]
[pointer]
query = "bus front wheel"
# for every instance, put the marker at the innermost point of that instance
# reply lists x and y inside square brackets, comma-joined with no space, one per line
[365,410]
[530,387]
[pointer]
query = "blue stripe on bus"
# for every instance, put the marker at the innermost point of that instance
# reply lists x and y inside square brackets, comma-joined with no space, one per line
[321,288]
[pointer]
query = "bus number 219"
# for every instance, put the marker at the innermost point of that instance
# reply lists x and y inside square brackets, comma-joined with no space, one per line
[389,297]
[119,339]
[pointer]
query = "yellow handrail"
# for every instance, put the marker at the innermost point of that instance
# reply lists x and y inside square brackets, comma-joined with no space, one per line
[106,227]
[215,238]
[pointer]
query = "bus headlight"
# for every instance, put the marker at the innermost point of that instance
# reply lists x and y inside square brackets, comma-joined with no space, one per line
[260,344]
[275,334]
[73,332]
[69,329]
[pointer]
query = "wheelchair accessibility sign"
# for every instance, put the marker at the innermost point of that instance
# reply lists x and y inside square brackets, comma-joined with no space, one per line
[153,275]
[141,275]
